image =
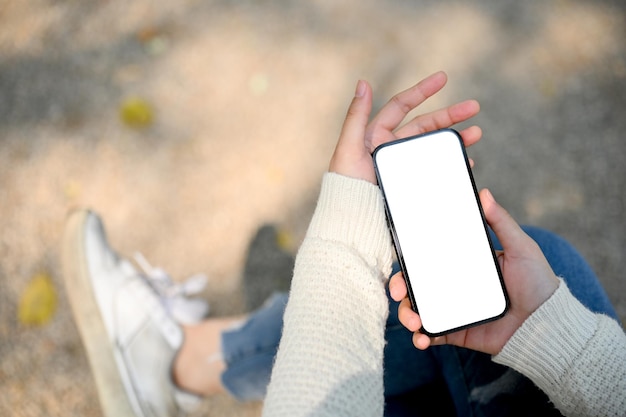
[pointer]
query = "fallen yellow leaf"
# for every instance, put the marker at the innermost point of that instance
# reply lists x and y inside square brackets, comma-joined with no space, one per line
[72,189]
[136,112]
[38,302]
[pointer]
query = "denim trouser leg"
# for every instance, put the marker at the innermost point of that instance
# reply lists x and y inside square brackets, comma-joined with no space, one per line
[249,350]
[467,379]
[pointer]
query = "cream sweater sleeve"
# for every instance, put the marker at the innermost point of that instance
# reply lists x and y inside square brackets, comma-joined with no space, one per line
[576,357]
[325,366]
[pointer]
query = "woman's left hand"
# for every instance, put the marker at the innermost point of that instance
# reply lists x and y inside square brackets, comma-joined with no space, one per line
[358,139]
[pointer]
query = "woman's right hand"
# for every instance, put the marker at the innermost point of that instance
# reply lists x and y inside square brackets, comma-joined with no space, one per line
[528,277]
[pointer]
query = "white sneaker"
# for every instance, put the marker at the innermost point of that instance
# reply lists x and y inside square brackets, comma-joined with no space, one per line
[126,320]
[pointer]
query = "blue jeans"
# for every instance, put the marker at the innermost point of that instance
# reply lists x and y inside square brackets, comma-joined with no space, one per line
[453,380]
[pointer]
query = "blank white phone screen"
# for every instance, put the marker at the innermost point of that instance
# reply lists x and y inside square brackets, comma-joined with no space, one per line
[438,226]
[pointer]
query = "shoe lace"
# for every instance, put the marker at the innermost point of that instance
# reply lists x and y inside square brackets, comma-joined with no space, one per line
[175,296]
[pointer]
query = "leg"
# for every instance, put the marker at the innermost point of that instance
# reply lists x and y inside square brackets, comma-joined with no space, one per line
[250,348]
[145,361]
[199,364]
[233,355]
[480,387]
[126,322]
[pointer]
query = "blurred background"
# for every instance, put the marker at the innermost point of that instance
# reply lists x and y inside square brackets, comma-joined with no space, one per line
[199,130]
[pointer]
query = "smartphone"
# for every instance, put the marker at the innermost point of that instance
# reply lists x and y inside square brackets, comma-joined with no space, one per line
[439,232]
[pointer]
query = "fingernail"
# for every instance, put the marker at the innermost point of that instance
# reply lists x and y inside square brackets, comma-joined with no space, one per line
[489,195]
[360,89]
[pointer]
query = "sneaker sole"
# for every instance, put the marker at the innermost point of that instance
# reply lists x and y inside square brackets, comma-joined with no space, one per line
[113,397]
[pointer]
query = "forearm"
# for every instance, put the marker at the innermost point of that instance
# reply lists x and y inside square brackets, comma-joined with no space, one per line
[326,366]
[576,357]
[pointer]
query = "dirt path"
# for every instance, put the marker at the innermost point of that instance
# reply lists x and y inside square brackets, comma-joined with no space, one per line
[247,100]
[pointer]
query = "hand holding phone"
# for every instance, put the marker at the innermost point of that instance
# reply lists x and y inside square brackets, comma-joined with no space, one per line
[529,280]
[441,237]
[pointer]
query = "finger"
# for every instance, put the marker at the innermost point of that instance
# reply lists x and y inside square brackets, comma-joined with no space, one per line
[421,341]
[510,234]
[397,287]
[396,109]
[440,119]
[409,318]
[353,130]
[471,135]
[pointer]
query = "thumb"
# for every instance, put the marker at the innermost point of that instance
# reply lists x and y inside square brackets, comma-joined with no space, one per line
[353,130]
[509,233]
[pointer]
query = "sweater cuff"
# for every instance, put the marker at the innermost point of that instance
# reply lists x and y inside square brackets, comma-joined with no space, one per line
[351,212]
[550,340]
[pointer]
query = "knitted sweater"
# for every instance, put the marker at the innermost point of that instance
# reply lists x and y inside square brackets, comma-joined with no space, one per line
[330,358]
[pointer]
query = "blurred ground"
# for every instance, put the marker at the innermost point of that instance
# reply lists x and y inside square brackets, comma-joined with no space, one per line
[248,99]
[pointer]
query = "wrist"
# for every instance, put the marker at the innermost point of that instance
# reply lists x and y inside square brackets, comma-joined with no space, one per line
[556,332]
[351,211]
